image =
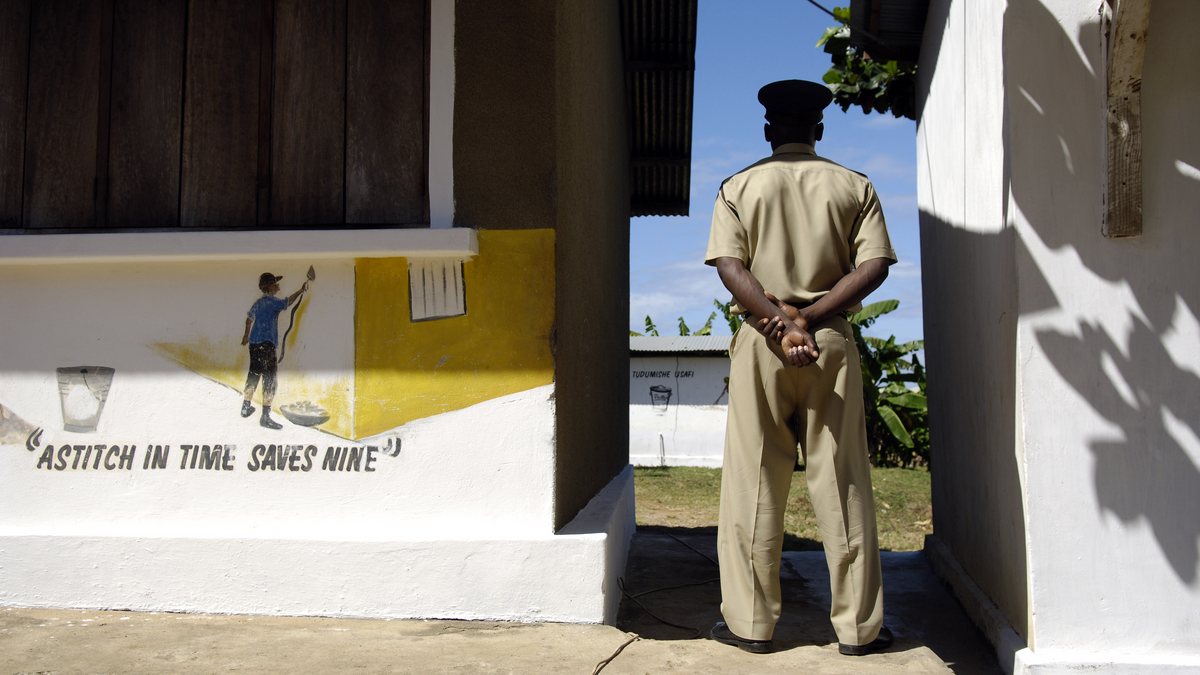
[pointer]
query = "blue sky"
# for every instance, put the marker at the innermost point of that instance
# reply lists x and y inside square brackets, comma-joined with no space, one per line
[741,46]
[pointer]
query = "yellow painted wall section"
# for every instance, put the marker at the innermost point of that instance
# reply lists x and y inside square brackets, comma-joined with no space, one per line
[405,371]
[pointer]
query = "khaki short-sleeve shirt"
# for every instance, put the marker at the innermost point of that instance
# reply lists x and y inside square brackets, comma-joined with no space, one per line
[799,222]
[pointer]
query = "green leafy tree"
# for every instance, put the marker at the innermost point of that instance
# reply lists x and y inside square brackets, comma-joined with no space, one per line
[857,79]
[651,329]
[734,320]
[704,330]
[893,393]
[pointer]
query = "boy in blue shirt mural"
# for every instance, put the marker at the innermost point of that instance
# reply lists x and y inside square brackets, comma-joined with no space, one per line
[262,334]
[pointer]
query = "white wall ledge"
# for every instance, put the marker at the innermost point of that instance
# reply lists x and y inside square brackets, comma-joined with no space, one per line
[568,576]
[107,247]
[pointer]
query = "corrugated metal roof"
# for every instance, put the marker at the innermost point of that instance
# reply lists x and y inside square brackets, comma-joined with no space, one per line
[659,42]
[679,343]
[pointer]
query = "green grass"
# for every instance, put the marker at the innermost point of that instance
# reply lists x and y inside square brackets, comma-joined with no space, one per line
[684,496]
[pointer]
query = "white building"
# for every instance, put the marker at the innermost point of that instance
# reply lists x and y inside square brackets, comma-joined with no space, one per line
[1059,189]
[457,179]
[678,400]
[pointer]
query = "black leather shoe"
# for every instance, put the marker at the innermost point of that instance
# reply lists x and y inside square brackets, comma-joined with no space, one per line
[878,644]
[722,634]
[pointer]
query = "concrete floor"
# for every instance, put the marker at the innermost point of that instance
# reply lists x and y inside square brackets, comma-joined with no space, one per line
[933,635]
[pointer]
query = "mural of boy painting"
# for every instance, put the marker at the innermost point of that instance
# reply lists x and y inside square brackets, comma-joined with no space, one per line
[262,334]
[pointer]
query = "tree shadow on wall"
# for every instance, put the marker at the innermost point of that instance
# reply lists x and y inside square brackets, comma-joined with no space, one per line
[1147,474]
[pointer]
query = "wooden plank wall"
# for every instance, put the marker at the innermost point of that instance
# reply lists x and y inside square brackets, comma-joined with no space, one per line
[220,114]
[147,104]
[155,114]
[385,114]
[308,142]
[14,69]
[266,78]
[64,91]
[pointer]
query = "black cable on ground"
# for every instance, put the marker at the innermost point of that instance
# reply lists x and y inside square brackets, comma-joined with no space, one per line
[701,553]
[621,585]
[634,598]
[668,588]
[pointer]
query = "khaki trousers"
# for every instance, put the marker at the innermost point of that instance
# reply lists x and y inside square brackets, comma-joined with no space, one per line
[771,404]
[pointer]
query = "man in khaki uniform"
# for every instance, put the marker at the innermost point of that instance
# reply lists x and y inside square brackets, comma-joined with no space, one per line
[799,241]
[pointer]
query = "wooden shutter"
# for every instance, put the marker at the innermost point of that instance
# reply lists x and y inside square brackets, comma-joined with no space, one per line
[154,114]
[386,113]
[61,114]
[14,73]
[220,114]
[147,105]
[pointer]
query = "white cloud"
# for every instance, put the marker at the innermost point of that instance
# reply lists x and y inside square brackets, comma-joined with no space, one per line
[898,205]
[885,121]
[712,169]
[904,270]
[657,303]
[714,142]
[672,289]
[886,165]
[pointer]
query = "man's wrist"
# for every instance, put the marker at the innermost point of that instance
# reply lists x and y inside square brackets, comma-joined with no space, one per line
[810,316]
[801,321]
[791,326]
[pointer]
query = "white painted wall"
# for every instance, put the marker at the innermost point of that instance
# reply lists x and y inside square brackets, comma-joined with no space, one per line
[570,576]
[456,526]
[1101,475]
[677,410]
[493,473]
[1104,347]
[970,292]
[459,524]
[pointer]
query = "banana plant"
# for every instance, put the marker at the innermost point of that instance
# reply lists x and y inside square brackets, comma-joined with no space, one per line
[734,320]
[651,329]
[706,329]
[893,392]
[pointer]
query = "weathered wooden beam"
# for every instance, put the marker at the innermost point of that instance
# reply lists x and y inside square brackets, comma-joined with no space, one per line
[1126,54]
[14,74]
[221,151]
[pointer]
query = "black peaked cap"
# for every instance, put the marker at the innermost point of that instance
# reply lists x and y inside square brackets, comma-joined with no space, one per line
[794,102]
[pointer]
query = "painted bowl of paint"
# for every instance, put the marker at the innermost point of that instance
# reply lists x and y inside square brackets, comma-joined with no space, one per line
[304,413]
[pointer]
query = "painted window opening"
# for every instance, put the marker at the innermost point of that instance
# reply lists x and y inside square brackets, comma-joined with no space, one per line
[436,288]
